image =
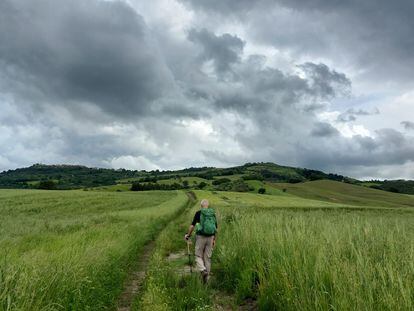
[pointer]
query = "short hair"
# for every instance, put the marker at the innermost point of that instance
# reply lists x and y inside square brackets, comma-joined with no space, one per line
[204,202]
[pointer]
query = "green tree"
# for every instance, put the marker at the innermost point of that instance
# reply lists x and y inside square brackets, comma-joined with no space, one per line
[47,185]
[202,185]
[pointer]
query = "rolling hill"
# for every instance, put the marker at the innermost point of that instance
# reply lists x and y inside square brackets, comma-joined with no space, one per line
[344,193]
[238,178]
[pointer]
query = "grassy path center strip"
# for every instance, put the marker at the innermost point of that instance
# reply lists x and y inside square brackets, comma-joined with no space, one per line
[134,282]
[136,277]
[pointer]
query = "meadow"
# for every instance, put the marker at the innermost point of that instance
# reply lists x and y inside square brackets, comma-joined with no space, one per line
[319,260]
[71,250]
[317,245]
[338,192]
[289,253]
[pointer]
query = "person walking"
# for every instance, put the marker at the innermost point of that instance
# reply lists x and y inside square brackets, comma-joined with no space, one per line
[205,225]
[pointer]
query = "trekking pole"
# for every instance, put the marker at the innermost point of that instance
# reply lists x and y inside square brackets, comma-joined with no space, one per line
[189,256]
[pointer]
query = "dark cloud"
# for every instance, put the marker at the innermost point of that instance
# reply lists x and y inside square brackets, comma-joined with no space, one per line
[408,125]
[262,92]
[224,50]
[91,51]
[387,147]
[377,36]
[326,81]
[314,107]
[223,7]
[346,117]
[259,89]
[322,129]
[226,7]
[98,83]
[351,114]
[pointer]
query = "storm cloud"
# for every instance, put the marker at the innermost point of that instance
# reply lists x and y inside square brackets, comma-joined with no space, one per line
[171,84]
[223,50]
[96,52]
[376,35]
[351,114]
[408,125]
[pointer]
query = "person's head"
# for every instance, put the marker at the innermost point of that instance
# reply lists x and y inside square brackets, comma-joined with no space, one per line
[204,203]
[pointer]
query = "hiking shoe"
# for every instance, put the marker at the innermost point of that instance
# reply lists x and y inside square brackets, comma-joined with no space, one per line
[204,275]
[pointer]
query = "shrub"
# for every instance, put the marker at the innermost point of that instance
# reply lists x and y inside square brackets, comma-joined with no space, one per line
[47,185]
[155,186]
[252,177]
[220,181]
[202,185]
[240,186]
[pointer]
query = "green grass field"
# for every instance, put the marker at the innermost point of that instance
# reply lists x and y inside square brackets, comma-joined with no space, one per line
[304,258]
[320,245]
[338,192]
[70,250]
[290,253]
[111,188]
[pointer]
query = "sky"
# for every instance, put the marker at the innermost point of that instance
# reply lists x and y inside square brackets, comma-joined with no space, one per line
[168,84]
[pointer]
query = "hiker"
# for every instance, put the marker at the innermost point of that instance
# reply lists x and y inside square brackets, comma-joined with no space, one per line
[205,224]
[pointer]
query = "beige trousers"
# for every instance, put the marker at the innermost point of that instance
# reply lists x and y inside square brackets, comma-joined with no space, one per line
[203,252]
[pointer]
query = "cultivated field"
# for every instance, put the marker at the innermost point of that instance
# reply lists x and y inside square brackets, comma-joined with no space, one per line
[338,192]
[318,245]
[287,253]
[326,259]
[70,250]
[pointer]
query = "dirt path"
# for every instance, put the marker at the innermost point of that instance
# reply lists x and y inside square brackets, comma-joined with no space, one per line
[136,278]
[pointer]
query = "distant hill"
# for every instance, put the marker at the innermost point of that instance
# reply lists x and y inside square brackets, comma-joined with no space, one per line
[65,176]
[397,186]
[77,176]
[336,192]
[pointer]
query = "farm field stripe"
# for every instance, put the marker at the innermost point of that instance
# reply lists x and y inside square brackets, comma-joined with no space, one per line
[170,285]
[136,277]
[67,252]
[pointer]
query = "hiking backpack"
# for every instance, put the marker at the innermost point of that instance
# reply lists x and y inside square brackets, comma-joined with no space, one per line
[207,222]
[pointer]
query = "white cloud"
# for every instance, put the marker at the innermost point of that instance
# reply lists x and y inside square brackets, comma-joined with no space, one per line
[346,129]
[405,171]
[134,163]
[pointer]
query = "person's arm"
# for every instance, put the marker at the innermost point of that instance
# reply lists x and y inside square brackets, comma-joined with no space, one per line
[190,231]
[191,228]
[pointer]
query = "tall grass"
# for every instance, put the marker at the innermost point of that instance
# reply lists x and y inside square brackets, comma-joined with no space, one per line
[318,260]
[288,253]
[71,250]
[166,287]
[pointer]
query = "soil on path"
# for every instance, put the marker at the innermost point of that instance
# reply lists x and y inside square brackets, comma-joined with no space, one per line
[222,301]
[136,278]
